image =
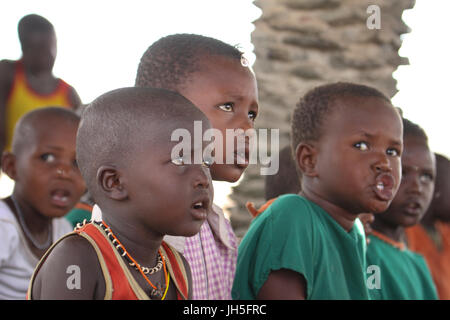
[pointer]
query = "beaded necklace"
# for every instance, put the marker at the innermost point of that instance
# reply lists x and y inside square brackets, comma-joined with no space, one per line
[158,291]
[40,246]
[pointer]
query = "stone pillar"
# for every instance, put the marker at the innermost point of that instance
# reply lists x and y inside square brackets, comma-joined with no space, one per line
[300,44]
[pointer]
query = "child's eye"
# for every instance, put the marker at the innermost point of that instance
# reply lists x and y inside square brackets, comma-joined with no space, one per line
[48,157]
[252,115]
[361,146]
[227,107]
[208,162]
[426,177]
[393,152]
[178,161]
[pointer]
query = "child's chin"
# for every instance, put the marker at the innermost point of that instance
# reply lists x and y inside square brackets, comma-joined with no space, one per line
[56,212]
[189,231]
[378,207]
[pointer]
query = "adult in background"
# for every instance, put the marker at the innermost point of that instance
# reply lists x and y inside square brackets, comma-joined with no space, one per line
[29,83]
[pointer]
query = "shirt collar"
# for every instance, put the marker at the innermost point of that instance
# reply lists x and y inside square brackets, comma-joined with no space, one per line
[218,224]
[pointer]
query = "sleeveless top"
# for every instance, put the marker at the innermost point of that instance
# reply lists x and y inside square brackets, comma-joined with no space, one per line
[22,99]
[120,284]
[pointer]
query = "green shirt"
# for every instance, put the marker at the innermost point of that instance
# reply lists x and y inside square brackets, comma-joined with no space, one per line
[296,234]
[402,274]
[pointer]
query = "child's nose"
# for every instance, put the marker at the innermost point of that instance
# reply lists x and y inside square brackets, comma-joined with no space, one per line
[382,164]
[415,186]
[245,122]
[203,177]
[63,170]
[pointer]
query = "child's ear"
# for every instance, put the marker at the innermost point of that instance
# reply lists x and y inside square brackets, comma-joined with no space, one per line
[110,181]
[9,164]
[306,158]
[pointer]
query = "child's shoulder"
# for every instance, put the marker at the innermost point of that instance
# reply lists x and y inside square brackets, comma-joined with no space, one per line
[5,212]
[288,211]
[381,245]
[293,206]
[71,257]
[417,257]
[7,68]
[6,64]
[9,233]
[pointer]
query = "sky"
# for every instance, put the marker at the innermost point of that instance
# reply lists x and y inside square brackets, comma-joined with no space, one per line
[424,84]
[100,44]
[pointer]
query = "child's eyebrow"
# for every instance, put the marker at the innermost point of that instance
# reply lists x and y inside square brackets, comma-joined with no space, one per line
[237,97]
[371,136]
[58,148]
[396,143]
[426,169]
[234,96]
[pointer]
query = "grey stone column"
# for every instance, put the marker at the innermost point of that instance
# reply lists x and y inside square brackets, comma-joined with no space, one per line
[300,44]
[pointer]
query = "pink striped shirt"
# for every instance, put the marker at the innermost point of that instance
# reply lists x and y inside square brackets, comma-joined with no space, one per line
[212,255]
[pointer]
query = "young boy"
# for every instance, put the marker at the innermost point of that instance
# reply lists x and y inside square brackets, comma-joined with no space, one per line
[216,78]
[47,185]
[348,141]
[403,274]
[431,237]
[28,83]
[124,150]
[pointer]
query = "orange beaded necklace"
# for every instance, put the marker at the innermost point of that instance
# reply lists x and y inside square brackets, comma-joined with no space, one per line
[156,291]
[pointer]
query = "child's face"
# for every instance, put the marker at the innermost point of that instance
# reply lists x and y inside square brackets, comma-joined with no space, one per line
[170,197]
[47,176]
[227,94]
[358,159]
[417,185]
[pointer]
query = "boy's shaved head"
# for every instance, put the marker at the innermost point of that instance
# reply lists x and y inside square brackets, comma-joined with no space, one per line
[170,61]
[113,126]
[307,119]
[33,23]
[25,129]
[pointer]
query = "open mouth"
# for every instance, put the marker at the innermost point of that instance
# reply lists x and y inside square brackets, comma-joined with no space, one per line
[200,208]
[413,208]
[198,205]
[384,184]
[60,197]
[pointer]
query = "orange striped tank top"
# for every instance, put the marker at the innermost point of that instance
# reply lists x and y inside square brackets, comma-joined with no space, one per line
[120,284]
[22,99]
